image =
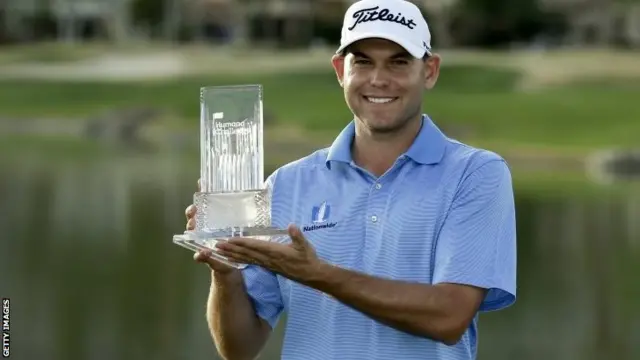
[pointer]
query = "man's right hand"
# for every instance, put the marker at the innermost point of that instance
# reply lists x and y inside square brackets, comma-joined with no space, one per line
[204,256]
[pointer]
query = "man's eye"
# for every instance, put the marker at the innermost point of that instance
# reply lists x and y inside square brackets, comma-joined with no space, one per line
[400,62]
[362,61]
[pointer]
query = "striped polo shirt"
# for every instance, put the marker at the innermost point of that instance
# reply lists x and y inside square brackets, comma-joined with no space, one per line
[443,213]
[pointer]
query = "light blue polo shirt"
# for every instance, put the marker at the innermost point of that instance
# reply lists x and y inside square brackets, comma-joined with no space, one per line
[443,213]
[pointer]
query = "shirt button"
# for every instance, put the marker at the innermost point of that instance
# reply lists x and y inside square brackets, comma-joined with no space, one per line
[374,218]
[378,186]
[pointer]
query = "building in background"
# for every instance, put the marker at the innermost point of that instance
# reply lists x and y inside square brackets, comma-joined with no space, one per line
[282,23]
[66,20]
[599,22]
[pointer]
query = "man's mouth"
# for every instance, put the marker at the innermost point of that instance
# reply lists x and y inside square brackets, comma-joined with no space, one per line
[380,100]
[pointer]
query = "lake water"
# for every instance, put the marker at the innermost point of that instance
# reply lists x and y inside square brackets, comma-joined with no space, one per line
[89,265]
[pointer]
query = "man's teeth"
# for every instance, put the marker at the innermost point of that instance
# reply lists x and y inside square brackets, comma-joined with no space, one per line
[379,100]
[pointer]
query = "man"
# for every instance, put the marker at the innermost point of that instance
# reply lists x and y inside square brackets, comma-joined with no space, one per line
[405,235]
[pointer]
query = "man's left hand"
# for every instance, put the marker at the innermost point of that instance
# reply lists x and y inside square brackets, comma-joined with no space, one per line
[296,261]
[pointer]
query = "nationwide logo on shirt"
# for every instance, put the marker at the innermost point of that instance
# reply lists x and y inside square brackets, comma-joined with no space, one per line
[319,217]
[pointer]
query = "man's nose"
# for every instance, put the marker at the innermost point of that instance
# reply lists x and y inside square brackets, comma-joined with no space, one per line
[379,78]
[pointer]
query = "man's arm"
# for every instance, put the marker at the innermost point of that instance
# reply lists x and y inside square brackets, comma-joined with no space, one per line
[475,264]
[243,309]
[238,332]
[442,312]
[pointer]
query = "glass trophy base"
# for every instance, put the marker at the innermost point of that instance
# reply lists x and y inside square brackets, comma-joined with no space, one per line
[203,240]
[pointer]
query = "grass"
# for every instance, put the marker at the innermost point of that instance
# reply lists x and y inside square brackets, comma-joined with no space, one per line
[539,184]
[480,100]
[45,53]
[548,185]
[478,105]
[61,149]
[54,148]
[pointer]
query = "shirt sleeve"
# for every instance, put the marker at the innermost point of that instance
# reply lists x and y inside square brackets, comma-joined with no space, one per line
[262,285]
[477,243]
[264,292]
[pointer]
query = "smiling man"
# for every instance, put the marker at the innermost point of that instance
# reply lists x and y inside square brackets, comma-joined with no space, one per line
[402,235]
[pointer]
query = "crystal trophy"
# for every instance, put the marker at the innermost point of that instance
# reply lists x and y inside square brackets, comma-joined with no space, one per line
[233,200]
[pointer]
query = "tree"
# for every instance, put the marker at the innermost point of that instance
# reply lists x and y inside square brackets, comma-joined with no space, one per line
[497,23]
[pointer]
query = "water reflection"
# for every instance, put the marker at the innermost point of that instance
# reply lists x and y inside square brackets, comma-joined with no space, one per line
[93,274]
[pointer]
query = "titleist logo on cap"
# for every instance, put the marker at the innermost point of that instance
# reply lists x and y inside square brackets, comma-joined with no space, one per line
[372,14]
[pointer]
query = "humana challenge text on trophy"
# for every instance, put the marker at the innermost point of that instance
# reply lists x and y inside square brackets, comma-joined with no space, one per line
[232,128]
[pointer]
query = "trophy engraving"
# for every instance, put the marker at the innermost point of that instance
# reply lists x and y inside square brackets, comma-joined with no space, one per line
[233,200]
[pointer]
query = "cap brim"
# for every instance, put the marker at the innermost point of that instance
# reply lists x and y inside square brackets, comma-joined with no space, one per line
[415,51]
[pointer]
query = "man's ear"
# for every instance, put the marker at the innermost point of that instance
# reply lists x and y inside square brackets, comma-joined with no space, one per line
[338,65]
[432,71]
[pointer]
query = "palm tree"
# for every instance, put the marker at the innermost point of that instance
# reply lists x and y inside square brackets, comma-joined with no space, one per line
[441,28]
[241,22]
[172,19]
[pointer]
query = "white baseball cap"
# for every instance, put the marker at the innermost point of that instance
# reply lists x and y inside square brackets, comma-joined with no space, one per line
[399,21]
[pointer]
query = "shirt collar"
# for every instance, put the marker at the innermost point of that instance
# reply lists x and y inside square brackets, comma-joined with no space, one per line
[427,148]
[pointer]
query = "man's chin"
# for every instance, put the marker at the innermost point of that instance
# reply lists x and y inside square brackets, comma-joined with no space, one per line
[381,127]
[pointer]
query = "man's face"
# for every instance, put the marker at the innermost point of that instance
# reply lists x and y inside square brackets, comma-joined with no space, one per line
[383,84]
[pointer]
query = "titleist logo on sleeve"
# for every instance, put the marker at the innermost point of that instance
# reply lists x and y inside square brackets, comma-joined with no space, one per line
[373,14]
